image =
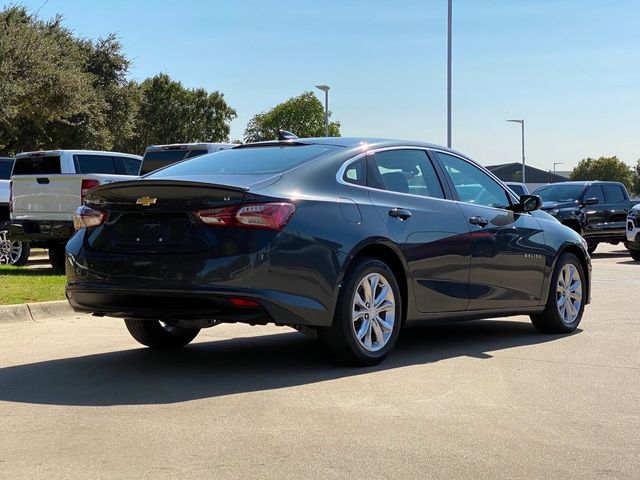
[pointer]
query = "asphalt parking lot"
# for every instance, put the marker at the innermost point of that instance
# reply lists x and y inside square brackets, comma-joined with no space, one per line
[486,399]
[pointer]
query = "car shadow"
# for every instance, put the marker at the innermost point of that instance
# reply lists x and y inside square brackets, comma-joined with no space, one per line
[211,369]
[616,253]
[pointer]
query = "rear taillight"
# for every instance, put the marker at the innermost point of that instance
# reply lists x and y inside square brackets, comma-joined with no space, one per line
[266,216]
[86,217]
[10,196]
[87,184]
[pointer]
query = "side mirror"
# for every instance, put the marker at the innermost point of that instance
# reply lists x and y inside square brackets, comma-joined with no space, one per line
[591,201]
[528,203]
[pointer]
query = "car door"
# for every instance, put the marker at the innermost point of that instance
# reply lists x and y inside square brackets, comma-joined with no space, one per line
[508,259]
[595,214]
[430,230]
[616,208]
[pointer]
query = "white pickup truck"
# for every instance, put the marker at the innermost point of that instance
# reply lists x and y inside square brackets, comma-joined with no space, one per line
[47,188]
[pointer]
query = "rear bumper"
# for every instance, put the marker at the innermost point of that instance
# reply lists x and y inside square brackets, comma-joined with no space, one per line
[211,304]
[40,230]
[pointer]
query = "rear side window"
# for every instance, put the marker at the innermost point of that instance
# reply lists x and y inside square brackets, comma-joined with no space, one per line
[408,171]
[127,165]
[5,169]
[614,193]
[356,173]
[37,166]
[249,160]
[94,164]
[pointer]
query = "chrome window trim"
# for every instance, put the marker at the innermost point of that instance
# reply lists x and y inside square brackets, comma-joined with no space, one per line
[347,163]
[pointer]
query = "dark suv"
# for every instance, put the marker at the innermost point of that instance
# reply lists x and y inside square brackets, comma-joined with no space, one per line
[596,210]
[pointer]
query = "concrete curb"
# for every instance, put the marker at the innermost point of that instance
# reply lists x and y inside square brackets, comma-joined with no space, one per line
[34,312]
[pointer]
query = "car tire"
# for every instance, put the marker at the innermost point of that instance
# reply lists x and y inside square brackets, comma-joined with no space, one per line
[155,334]
[635,254]
[566,300]
[13,253]
[591,247]
[57,258]
[366,323]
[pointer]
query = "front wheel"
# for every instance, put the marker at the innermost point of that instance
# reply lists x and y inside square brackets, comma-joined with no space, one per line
[635,254]
[368,315]
[57,258]
[591,247]
[155,334]
[565,303]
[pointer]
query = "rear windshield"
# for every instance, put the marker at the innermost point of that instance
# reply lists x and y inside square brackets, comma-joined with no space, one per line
[5,169]
[161,158]
[560,193]
[37,166]
[253,160]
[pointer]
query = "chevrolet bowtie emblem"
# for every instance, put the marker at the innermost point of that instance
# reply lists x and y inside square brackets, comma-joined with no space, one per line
[146,201]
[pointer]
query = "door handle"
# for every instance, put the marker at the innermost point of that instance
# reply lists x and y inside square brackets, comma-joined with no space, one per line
[400,213]
[480,221]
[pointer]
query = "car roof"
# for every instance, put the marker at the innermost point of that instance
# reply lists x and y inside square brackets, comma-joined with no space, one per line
[154,148]
[48,153]
[583,182]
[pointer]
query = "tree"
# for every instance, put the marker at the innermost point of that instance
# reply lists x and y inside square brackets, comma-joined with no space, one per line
[302,115]
[171,113]
[636,179]
[603,168]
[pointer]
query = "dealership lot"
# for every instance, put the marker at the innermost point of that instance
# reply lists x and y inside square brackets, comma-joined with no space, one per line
[490,399]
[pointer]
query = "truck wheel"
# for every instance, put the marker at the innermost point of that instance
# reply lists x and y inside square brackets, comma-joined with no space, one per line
[591,247]
[12,253]
[57,258]
[635,254]
[565,303]
[368,315]
[155,334]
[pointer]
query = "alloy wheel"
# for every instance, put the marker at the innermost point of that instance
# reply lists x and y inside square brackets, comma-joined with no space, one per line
[9,251]
[569,293]
[373,312]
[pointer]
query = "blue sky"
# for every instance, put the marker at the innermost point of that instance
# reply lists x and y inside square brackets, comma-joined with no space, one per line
[570,68]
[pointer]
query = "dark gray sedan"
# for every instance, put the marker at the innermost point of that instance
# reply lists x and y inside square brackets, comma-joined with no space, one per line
[351,237]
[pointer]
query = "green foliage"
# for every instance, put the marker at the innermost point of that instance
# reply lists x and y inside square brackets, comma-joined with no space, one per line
[302,115]
[603,168]
[61,91]
[636,179]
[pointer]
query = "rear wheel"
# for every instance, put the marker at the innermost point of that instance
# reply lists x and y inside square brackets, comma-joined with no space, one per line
[565,304]
[635,254]
[368,315]
[57,258]
[12,253]
[155,334]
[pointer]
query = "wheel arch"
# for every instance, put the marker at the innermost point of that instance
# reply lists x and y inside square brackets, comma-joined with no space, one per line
[586,264]
[386,251]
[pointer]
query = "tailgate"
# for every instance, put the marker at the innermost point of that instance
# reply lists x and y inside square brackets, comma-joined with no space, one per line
[51,197]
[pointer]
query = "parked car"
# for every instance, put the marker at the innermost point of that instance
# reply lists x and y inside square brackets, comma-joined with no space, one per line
[48,187]
[518,188]
[11,252]
[633,232]
[596,210]
[159,156]
[352,237]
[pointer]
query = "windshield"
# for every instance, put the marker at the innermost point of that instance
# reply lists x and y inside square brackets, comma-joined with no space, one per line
[560,193]
[253,160]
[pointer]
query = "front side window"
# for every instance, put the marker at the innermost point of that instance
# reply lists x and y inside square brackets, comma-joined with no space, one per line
[472,184]
[407,171]
[595,192]
[129,166]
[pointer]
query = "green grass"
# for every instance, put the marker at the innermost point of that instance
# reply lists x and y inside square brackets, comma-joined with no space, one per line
[24,285]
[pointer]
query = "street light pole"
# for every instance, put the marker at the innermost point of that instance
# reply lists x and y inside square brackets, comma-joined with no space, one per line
[449,23]
[521,122]
[554,166]
[325,89]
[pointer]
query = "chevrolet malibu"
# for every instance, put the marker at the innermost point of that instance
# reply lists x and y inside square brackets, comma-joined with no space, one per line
[351,238]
